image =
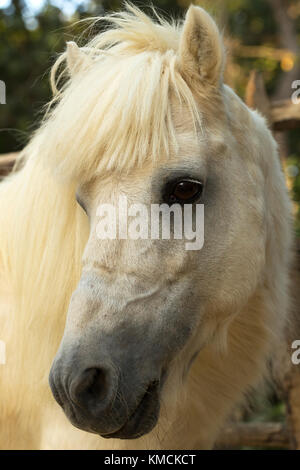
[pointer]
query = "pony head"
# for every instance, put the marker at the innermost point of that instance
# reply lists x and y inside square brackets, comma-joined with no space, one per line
[146,118]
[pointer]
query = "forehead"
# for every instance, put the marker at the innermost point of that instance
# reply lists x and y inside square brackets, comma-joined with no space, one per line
[192,157]
[192,142]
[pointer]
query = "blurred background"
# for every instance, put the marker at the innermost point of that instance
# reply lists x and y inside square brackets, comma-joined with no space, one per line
[262,35]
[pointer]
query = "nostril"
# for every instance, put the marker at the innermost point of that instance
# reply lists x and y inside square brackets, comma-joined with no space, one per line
[91,388]
[97,384]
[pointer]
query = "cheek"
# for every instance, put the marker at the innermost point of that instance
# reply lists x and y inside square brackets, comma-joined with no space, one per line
[232,261]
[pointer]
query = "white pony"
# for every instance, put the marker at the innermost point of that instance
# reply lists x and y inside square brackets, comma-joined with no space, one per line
[160,343]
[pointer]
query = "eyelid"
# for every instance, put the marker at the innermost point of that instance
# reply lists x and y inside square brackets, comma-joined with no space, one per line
[178,179]
[190,180]
[193,181]
[174,183]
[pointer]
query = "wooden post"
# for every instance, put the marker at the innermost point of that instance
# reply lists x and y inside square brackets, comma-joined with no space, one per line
[264,435]
[256,96]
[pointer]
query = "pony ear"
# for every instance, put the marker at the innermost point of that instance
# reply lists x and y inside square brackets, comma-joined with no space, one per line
[201,51]
[76,58]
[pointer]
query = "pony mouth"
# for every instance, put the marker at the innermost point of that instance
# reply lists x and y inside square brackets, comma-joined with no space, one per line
[140,422]
[144,417]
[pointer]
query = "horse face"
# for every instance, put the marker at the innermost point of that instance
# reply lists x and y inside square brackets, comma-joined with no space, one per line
[144,307]
[142,303]
[134,309]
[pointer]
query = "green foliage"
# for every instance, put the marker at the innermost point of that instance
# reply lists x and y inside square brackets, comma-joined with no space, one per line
[27,50]
[251,21]
[293,171]
[25,58]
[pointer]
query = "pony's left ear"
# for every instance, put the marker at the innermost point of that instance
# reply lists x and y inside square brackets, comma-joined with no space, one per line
[76,58]
[201,50]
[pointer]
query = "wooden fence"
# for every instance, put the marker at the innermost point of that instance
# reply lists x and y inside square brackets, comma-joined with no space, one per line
[281,116]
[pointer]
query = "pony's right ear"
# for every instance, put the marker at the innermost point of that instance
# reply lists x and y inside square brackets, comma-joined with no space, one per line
[76,58]
[201,50]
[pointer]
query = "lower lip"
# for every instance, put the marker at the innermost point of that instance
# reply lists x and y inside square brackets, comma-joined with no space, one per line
[141,413]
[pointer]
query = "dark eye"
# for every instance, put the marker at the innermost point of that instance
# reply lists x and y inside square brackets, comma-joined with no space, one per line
[185,191]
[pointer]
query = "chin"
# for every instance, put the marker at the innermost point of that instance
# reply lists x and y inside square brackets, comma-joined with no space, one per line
[140,423]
